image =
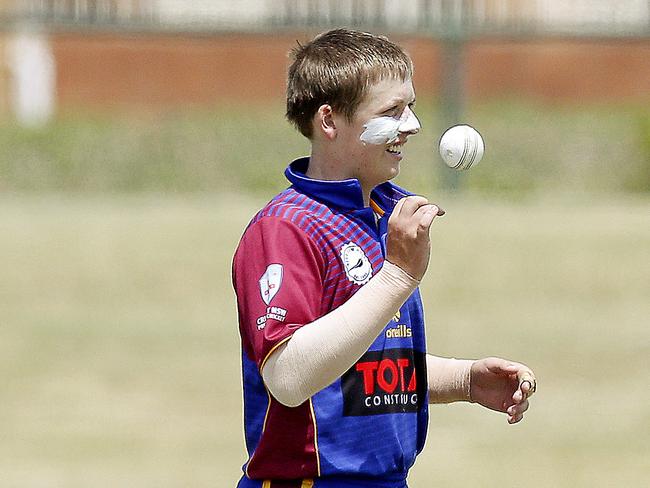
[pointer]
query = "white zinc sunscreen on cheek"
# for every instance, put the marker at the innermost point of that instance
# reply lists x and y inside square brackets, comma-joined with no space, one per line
[385,130]
[380,130]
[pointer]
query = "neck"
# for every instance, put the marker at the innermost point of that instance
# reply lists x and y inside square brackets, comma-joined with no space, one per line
[330,168]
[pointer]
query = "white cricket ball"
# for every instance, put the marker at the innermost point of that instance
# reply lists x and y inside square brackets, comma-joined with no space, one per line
[461,147]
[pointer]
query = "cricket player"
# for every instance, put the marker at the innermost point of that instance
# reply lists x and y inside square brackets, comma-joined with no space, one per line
[336,376]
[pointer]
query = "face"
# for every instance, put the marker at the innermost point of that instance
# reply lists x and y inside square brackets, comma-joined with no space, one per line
[372,143]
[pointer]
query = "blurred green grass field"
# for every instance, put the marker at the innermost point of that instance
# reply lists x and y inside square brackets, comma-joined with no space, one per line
[531,149]
[119,353]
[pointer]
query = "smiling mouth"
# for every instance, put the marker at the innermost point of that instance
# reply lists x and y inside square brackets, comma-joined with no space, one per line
[395,148]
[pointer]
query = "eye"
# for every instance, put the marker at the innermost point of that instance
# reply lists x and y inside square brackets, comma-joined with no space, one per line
[391,112]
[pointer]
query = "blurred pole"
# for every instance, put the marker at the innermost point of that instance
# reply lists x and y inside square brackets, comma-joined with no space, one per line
[424,14]
[452,93]
[335,12]
[290,12]
[32,76]
[358,16]
[379,17]
[312,12]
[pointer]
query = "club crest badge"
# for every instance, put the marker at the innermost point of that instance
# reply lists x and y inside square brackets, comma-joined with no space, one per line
[270,282]
[356,264]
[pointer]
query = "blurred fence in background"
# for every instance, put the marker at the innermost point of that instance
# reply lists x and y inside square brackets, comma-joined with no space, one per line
[477,17]
[433,17]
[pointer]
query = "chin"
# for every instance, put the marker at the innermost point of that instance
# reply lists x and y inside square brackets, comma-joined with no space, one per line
[389,176]
[383,171]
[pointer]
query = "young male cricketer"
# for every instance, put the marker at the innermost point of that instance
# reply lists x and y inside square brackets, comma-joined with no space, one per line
[336,376]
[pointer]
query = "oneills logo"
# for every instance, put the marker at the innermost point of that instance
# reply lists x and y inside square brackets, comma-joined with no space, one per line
[398,332]
[356,264]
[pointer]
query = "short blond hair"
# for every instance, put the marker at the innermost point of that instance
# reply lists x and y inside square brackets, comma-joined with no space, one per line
[337,68]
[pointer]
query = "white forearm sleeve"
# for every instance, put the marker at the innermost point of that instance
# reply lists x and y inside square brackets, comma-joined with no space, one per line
[321,351]
[449,379]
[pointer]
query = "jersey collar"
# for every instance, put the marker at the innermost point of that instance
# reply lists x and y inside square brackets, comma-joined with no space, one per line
[343,194]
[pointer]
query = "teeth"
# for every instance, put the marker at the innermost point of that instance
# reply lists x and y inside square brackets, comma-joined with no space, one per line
[394,148]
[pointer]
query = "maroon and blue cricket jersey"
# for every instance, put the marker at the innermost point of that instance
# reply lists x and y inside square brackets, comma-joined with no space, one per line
[303,255]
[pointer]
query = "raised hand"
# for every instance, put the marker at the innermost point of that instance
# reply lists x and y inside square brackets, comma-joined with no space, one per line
[407,243]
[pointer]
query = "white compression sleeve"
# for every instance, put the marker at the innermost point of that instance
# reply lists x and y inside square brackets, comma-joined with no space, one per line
[449,379]
[321,351]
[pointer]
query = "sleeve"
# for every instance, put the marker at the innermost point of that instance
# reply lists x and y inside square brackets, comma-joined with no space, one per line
[278,273]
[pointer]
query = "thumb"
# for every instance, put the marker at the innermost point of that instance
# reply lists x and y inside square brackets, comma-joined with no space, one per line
[426,214]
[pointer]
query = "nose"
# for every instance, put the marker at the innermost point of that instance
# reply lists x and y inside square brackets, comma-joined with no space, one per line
[409,122]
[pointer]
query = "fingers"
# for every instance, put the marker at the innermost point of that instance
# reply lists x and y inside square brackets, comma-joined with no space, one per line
[501,366]
[414,214]
[527,382]
[527,386]
[439,211]
[516,412]
[417,210]
[407,241]
[408,206]
[411,204]
[514,420]
[425,215]
[520,381]
[397,209]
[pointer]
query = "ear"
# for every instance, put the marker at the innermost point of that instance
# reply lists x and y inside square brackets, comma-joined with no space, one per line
[325,123]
